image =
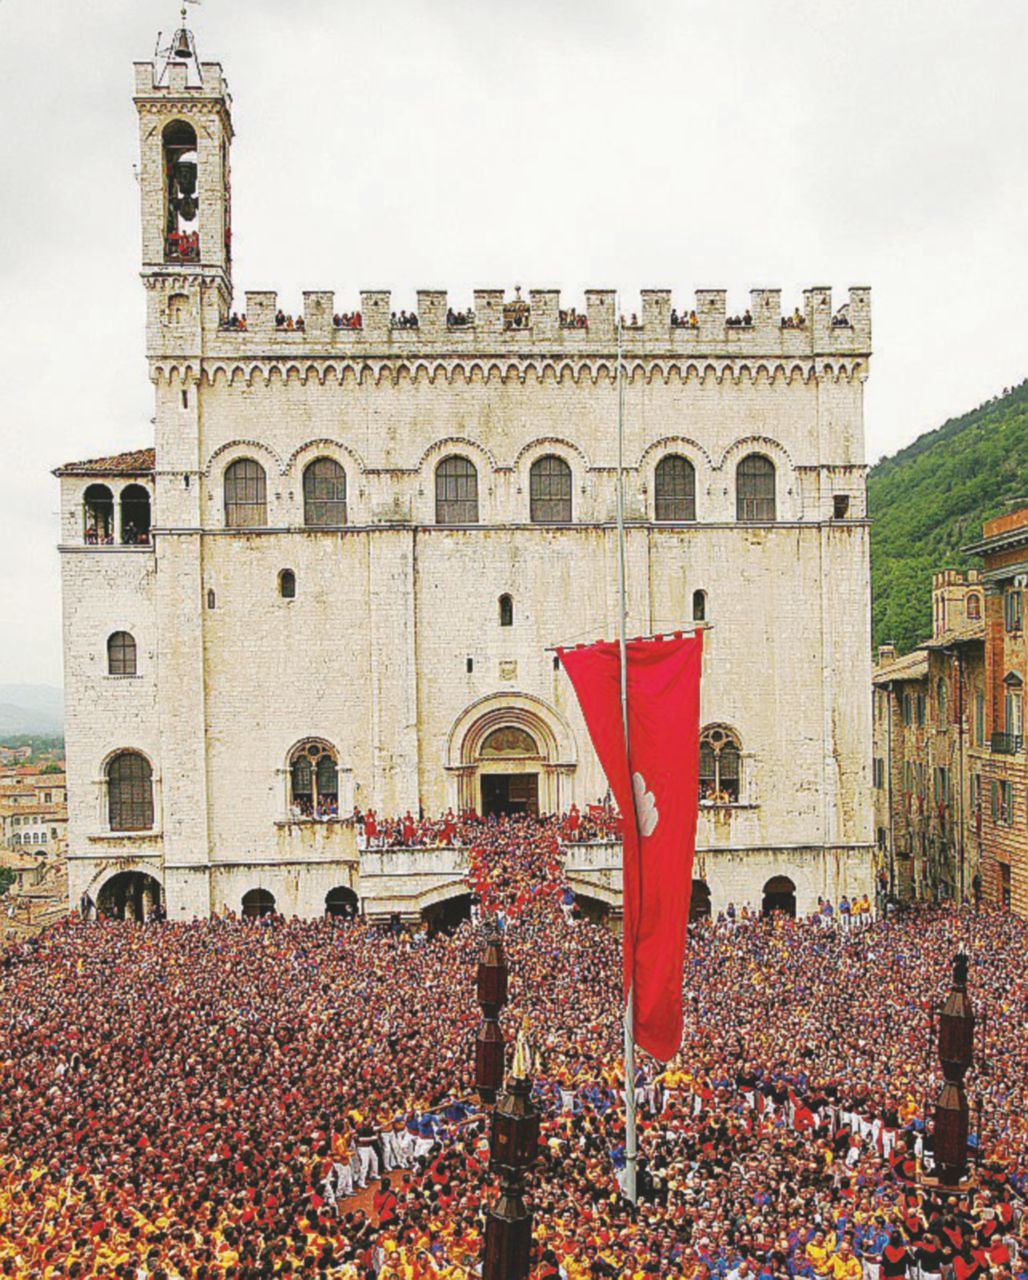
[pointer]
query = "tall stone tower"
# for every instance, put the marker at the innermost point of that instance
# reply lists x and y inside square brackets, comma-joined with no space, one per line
[185,137]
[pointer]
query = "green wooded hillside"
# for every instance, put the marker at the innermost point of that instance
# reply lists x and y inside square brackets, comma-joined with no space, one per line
[930,499]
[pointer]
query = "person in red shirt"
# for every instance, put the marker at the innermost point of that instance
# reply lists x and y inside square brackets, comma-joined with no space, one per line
[384,1204]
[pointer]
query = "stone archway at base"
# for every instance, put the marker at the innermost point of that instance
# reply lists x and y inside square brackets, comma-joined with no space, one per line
[341,902]
[258,902]
[130,895]
[445,916]
[779,895]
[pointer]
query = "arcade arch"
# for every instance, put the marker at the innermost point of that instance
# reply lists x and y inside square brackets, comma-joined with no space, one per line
[779,895]
[130,895]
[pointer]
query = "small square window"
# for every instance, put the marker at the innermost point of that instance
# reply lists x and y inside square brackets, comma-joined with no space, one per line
[841,506]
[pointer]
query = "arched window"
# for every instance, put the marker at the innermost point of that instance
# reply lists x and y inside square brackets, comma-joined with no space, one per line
[178,311]
[674,489]
[549,489]
[313,781]
[699,606]
[257,903]
[98,515]
[755,488]
[456,491]
[287,584]
[720,765]
[506,611]
[212,599]
[135,516]
[324,494]
[246,496]
[1013,708]
[130,792]
[181,233]
[941,695]
[121,654]
[974,606]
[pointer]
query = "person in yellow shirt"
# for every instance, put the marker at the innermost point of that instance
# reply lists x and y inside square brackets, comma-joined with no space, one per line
[844,1266]
[819,1254]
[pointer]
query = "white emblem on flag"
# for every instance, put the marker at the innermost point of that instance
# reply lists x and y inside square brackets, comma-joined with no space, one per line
[645,805]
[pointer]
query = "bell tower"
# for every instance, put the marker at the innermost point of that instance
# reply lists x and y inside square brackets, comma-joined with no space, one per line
[185,138]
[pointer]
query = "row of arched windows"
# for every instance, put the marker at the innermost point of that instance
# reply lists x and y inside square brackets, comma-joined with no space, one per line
[550,490]
[314,780]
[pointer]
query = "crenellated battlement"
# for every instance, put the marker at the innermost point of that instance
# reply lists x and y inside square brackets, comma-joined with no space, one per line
[508,322]
[174,83]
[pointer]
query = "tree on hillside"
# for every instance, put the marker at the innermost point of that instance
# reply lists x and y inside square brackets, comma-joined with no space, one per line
[930,499]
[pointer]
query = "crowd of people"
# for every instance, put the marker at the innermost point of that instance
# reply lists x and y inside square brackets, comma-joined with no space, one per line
[199,1100]
[599,822]
[183,244]
[569,319]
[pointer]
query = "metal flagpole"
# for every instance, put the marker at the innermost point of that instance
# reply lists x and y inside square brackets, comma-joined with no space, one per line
[631,1141]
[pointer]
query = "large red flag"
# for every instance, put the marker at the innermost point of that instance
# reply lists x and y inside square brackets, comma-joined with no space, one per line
[663,794]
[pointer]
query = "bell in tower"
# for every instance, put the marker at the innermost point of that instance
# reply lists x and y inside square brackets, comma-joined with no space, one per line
[182,235]
[185,140]
[180,52]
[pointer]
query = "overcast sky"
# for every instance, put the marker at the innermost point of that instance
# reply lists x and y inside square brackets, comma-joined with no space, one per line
[568,143]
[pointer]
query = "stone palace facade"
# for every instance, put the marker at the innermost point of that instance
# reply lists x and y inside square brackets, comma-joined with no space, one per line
[337,578]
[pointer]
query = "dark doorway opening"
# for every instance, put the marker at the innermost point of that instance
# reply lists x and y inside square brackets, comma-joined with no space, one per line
[699,902]
[592,909]
[258,902]
[130,895]
[342,903]
[779,895]
[505,793]
[444,917]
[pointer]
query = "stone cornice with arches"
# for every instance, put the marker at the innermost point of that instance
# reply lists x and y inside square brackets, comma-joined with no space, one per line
[398,371]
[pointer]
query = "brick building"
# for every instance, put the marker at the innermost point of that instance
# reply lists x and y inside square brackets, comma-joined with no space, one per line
[949,771]
[925,747]
[335,579]
[1003,785]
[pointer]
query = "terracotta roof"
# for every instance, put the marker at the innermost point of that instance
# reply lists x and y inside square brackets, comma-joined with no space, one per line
[913,666]
[966,634]
[137,463]
[55,812]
